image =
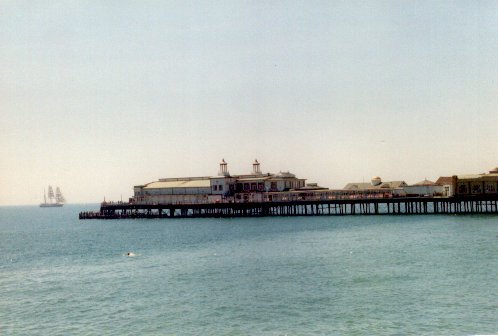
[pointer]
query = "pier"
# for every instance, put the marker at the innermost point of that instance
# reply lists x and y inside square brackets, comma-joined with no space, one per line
[478,204]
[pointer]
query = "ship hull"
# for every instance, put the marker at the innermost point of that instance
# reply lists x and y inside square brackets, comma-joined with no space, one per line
[50,205]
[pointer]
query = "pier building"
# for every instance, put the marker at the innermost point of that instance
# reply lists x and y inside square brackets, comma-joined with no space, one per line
[223,187]
[477,184]
[395,188]
[447,183]
[425,188]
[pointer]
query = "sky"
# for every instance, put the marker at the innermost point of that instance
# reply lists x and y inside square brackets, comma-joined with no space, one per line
[99,96]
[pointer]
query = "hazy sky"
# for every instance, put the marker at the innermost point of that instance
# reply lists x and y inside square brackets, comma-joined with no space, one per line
[98,96]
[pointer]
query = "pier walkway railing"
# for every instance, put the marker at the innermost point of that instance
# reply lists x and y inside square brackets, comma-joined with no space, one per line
[478,204]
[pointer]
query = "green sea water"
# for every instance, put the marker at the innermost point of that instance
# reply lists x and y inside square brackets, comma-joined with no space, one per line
[364,275]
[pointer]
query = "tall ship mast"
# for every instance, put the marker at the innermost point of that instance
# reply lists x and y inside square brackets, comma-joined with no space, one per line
[59,198]
[51,200]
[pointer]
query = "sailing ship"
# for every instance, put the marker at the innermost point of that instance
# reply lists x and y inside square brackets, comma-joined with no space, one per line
[54,200]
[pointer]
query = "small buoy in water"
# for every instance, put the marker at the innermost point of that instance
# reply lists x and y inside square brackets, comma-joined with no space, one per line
[130,254]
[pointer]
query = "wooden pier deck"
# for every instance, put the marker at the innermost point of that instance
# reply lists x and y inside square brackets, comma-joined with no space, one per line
[479,204]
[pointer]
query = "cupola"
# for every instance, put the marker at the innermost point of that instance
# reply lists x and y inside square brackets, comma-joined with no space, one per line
[256,170]
[376,180]
[223,168]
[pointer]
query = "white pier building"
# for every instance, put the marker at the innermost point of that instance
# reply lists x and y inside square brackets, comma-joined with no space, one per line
[223,187]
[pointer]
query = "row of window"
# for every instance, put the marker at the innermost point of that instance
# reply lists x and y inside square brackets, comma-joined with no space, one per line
[477,188]
[260,186]
[252,186]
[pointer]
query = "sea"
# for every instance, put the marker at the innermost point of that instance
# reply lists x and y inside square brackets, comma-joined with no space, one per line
[351,275]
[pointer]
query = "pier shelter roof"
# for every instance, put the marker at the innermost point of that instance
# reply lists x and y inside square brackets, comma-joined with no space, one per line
[383,185]
[249,179]
[197,183]
[478,177]
[425,183]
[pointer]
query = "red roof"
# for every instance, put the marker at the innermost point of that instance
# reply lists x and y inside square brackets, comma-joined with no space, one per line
[444,180]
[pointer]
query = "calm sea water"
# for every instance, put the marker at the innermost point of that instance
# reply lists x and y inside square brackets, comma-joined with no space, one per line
[265,276]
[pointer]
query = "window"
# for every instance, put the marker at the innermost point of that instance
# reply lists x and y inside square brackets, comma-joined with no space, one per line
[215,187]
[476,188]
[221,188]
[490,187]
[462,189]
